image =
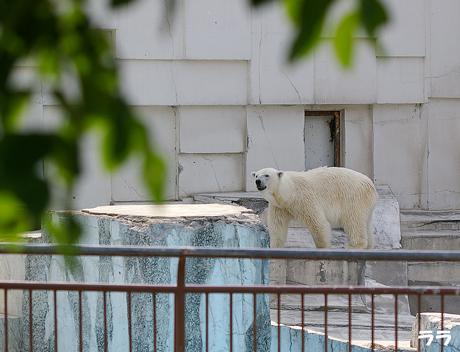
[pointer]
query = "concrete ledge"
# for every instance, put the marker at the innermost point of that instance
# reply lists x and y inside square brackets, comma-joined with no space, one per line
[147,225]
[431,323]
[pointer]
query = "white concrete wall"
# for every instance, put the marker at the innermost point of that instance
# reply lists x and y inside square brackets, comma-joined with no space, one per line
[212,83]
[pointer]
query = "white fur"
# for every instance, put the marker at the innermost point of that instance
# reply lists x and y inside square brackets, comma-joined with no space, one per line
[321,199]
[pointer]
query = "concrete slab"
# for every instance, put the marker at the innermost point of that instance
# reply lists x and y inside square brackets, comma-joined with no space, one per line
[431,240]
[417,220]
[445,330]
[361,322]
[168,210]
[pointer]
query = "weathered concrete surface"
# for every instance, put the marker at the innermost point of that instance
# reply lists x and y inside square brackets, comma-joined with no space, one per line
[337,341]
[423,220]
[432,230]
[171,225]
[439,328]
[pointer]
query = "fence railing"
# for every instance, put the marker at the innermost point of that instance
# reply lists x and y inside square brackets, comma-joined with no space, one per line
[181,289]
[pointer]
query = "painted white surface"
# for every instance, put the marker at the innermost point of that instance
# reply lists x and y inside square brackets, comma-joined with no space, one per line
[405,35]
[217,30]
[398,150]
[212,129]
[127,184]
[215,90]
[200,173]
[400,80]
[158,82]
[333,85]
[319,147]
[275,139]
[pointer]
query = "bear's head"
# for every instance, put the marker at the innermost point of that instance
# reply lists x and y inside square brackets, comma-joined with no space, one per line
[267,179]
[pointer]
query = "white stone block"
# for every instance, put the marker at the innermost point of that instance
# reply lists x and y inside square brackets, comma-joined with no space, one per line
[93,184]
[147,30]
[400,80]
[356,131]
[212,129]
[334,85]
[127,183]
[273,79]
[275,139]
[444,151]
[199,173]
[405,33]
[399,148]
[445,49]
[102,15]
[149,82]
[212,82]
[158,82]
[217,30]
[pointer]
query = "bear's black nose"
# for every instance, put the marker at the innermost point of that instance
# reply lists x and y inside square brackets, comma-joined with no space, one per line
[258,182]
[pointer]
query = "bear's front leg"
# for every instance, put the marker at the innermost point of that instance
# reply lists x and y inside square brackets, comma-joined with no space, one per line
[320,230]
[278,224]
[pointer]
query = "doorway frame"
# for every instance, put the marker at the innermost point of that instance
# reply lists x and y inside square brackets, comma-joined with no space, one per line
[335,133]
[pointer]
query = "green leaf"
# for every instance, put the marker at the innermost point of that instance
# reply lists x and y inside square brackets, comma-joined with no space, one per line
[309,19]
[344,41]
[14,219]
[155,175]
[294,9]
[260,2]
[116,3]
[12,106]
[373,15]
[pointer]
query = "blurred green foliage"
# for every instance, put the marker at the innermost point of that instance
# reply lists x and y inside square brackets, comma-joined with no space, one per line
[56,37]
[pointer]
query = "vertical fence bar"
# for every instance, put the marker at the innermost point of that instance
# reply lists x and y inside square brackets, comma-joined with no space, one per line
[6,320]
[130,328]
[396,322]
[349,322]
[279,320]
[372,323]
[106,347]
[231,322]
[325,321]
[419,310]
[179,308]
[154,301]
[31,338]
[55,322]
[207,320]
[255,322]
[303,321]
[80,322]
[442,320]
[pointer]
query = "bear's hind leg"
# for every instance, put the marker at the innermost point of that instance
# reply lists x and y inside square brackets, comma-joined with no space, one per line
[370,234]
[358,235]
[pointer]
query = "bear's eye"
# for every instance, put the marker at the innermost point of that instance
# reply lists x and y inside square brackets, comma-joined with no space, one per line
[267,176]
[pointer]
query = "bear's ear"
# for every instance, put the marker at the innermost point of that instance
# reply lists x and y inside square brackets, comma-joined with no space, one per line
[280,174]
[253,174]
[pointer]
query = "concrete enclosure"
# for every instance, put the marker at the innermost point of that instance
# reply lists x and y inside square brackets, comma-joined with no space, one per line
[212,84]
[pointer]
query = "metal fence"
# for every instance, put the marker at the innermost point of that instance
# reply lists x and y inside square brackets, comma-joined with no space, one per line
[180,289]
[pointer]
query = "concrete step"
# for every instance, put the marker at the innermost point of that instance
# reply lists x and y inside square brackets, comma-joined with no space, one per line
[433,271]
[431,240]
[338,328]
[423,220]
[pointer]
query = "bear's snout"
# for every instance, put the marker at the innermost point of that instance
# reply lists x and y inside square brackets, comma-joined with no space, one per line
[259,185]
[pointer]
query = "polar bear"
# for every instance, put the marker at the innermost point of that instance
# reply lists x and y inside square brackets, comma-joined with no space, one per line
[321,199]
